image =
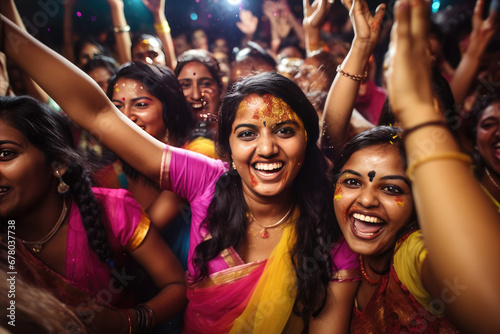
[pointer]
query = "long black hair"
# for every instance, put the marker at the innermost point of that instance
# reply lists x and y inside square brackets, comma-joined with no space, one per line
[50,133]
[226,215]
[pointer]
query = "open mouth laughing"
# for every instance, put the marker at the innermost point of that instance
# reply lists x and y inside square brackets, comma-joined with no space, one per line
[365,226]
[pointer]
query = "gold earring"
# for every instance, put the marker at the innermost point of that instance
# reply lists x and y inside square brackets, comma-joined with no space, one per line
[62,187]
[233,165]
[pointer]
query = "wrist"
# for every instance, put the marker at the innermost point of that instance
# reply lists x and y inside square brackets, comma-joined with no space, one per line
[410,117]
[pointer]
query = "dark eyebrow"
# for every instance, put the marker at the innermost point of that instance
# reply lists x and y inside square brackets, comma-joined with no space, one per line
[396,177]
[134,99]
[3,142]
[277,125]
[244,126]
[350,171]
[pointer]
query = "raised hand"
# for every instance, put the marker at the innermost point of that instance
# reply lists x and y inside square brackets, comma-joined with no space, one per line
[155,6]
[248,22]
[366,26]
[315,14]
[409,73]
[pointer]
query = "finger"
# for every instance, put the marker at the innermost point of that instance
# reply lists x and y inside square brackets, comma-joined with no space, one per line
[419,22]
[347,4]
[378,17]
[306,6]
[402,28]
[478,9]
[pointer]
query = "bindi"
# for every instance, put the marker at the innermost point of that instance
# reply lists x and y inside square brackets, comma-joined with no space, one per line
[264,123]
[371,175]
[123,99]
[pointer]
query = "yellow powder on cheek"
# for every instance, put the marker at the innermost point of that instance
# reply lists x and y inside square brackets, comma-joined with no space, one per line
[338,192]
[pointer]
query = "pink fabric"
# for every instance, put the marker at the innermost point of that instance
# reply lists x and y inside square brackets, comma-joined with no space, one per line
[213,309]
[193,176]
[343,258]
[83,266]
[370,104]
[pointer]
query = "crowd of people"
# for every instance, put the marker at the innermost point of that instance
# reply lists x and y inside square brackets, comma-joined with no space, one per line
[336,174]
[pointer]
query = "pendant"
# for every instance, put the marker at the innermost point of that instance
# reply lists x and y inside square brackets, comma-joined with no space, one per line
[264,234]
[37,248]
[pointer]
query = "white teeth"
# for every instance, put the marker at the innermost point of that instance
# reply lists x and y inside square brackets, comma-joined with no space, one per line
[271,166]
[368,219]
[2,189]
[198,105]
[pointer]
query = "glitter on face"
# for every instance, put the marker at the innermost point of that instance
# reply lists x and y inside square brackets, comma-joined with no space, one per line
[371,175]
[338,192]
[274,111]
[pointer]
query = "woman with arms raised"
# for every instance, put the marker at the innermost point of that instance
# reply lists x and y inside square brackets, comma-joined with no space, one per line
[271,254]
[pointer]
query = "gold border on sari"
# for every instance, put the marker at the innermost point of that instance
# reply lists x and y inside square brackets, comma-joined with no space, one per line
[165,169]
[346,275]
[139,234]
[228,275]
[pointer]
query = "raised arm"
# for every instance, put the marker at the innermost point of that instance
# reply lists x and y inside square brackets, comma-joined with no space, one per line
[157,8]
[482,32]
[461,227]
[314,17]
[121,30]
[344,90]
[82,99]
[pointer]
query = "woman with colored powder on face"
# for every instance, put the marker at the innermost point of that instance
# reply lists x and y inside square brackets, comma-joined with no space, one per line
[263,254]
[449,267]
[199,74]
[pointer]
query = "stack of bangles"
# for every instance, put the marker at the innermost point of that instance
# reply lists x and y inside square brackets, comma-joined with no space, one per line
[450,155]
[355,77]
[145,319]
[162,27]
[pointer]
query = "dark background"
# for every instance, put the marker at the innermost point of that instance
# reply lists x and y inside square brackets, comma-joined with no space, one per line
[44,17]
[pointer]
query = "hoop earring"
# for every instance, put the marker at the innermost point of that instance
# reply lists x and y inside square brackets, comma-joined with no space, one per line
[62,187]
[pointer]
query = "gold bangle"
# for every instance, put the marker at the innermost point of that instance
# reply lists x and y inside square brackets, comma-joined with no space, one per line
[120,29]
[129,321]
[162,27]
[355,77]
[438,156]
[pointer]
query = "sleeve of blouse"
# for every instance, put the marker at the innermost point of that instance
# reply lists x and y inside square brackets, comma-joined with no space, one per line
[408,260]
[345,263]
[188,173]
[128,222]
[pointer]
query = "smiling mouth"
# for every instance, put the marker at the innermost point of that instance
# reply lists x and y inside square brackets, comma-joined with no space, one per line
[197,105]
[268,168]
[3,190]
[367,227]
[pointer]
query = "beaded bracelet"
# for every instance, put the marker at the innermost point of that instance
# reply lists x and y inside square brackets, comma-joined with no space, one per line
[162,27]
[120,29]
[422,125]
[354,77]
[438,156]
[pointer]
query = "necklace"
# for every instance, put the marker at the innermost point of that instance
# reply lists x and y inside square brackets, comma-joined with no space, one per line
[370,281]
[37,246]
[263,233]
[491,178]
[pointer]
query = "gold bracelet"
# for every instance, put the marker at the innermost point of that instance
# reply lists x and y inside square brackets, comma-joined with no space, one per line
[355,77]
[438,156]
[162,27]
[129,321]
[120,29]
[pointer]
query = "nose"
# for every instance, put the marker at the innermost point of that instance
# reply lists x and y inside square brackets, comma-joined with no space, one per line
[127,111]
[267,146]
[195,92]
[368,197]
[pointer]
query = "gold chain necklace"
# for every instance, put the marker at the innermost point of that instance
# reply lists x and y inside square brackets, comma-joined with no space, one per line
[263,233]
[491,178]
[37,246]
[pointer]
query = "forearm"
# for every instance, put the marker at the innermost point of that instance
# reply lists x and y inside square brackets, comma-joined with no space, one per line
[163,31]
[463,76]
[342,95]
[122,37]
[460,224]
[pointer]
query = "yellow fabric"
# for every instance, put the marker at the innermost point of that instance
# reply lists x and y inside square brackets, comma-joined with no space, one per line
[140,233]
[408,259]
[491,198]
[202,145]
[270,306]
